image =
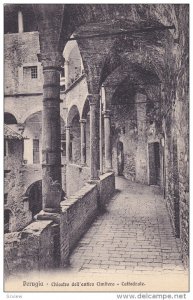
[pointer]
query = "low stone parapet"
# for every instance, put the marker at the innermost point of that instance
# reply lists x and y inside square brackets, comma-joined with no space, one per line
[33,248]
[46,244]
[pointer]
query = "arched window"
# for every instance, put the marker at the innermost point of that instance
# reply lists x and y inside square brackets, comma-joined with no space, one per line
[9,119]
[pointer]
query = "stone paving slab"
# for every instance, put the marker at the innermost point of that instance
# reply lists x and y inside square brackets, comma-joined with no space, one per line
[134,234]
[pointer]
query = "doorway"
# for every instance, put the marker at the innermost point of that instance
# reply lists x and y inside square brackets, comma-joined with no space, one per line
[120,158]
[154,163]
[36,151]
[35,197]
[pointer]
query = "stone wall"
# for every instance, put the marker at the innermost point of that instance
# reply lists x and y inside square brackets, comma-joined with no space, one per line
[106,188]
[135,125]
[79,176]
[124,130]
[74,65]
[80,209]
[24,105]
[75,132]
[37,246]
[175,113]
[141,153]
[20,50]
[33,248]
[17,181]
[76,95]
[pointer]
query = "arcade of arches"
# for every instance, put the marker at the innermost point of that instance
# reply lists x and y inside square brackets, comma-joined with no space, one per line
[125,107]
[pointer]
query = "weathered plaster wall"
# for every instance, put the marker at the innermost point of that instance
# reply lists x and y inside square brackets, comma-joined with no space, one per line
[20,50]
[125,130]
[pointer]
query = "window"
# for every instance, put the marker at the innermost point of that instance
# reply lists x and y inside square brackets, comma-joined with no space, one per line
[63,144]
[36,152]
[34,72]
[30,72]
[62,72]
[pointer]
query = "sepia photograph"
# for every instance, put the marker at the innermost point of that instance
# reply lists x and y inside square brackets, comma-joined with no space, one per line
[96,147]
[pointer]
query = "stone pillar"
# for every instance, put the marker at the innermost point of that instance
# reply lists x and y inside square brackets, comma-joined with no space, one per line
[20,22]
[141,151]
[83,141]
[94,136]
[67,144]
[107,131]
[66,71]
[51,139]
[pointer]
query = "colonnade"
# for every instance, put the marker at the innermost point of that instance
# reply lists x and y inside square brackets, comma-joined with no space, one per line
[94,103]
[51,146]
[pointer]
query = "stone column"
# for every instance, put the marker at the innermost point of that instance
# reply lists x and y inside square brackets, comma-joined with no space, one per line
[94,136]
[66,71]
[67,144]
[141,151]
[107,133]
[51,139]
[83,141]
[20,22]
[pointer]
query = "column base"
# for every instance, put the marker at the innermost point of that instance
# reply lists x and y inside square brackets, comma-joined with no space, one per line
[44,215]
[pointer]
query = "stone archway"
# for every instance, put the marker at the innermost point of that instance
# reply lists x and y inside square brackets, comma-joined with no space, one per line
[34,194]
[9,118]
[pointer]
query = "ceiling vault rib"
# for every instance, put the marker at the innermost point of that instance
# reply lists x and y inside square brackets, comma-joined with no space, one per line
[126,32]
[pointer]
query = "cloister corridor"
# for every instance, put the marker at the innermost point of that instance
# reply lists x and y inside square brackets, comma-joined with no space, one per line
[134,234]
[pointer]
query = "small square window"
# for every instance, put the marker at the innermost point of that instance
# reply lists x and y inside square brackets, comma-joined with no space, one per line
[30,72]
[34,72]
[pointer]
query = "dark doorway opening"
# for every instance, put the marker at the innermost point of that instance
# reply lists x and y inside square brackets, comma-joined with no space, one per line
[120,158]
[36,152]
[154,163]
[35,197]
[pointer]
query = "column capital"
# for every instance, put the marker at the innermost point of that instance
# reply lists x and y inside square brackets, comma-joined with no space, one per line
[107,113]
[51,60]
[83,121]
[93,99]
[67,127]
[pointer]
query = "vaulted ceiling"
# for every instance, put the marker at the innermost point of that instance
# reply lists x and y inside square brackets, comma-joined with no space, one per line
[139,56]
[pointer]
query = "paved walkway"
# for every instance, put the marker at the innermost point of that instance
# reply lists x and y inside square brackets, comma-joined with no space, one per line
[134,235]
